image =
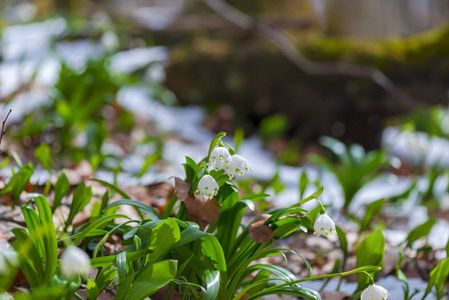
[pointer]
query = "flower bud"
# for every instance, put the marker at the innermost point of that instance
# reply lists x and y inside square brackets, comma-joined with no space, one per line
[236,165]
[324,226]
[218,158]
[374,292]
[207,186]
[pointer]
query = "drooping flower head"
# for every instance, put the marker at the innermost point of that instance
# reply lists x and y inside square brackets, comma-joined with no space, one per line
[8,259]
[324,225]
[374,292]
[218,158]
[236,165]
[74,261]
[207,186]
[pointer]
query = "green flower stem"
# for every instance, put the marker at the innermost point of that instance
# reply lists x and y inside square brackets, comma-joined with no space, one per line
[201,166]
[358,270]
[371,281]
[322,211]
[231,150]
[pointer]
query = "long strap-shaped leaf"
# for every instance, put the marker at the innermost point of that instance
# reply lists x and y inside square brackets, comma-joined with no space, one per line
[49,237]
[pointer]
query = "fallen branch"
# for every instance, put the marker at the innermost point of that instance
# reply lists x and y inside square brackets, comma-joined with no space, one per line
[3,127]
[279,38]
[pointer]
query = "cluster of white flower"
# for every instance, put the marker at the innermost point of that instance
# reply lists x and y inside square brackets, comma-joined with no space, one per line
[325,226]
[221,159]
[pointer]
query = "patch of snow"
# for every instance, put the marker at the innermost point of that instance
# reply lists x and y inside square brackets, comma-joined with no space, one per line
[23,104]
[76,53]
[439,236]
[31,40]
[261,162]
[185,121]
[383,187]
[134,59]
[394,237]
[159,17]
[416,147]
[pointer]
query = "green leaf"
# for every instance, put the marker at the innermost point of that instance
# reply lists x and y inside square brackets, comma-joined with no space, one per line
[420,231]
[371,210]
[95,224]
[43,155]
[256,285]
[34,227]
[303,182]
[212,285]
[438,277]
[401,276]
[239,136]
[154,277]
[18,183]
[370,252]
[106,261]
[149,161]
[104,278]
[215,141]
[248,203]
[286,226]
[189,235]
[213,250]
[81,197]
[151,212]
[315,195]
[30,260]
[61,188]
[343,242]
[112,188]
[230,217]
[120,262]
[163,238]
[49,237]
[447,248]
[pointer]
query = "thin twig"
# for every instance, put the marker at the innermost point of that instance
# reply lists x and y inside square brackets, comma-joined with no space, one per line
[279,38]
[3,127]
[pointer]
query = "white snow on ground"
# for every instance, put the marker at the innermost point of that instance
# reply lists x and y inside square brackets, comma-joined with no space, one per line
[134,59]
[416,147]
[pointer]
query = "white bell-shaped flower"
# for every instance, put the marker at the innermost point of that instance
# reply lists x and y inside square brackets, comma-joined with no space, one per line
[218,158]
[324,225]
[236,165]
[207,186]
[8,258]
[74,261]
[374,292]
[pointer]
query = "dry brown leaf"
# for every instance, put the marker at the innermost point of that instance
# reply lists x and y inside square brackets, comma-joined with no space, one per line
[198,207]
[260,232]
[163,292]
[160,194]
[3,236]
[334,295]
[79,173]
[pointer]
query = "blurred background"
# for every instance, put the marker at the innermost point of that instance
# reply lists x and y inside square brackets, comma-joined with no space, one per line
[245,81]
